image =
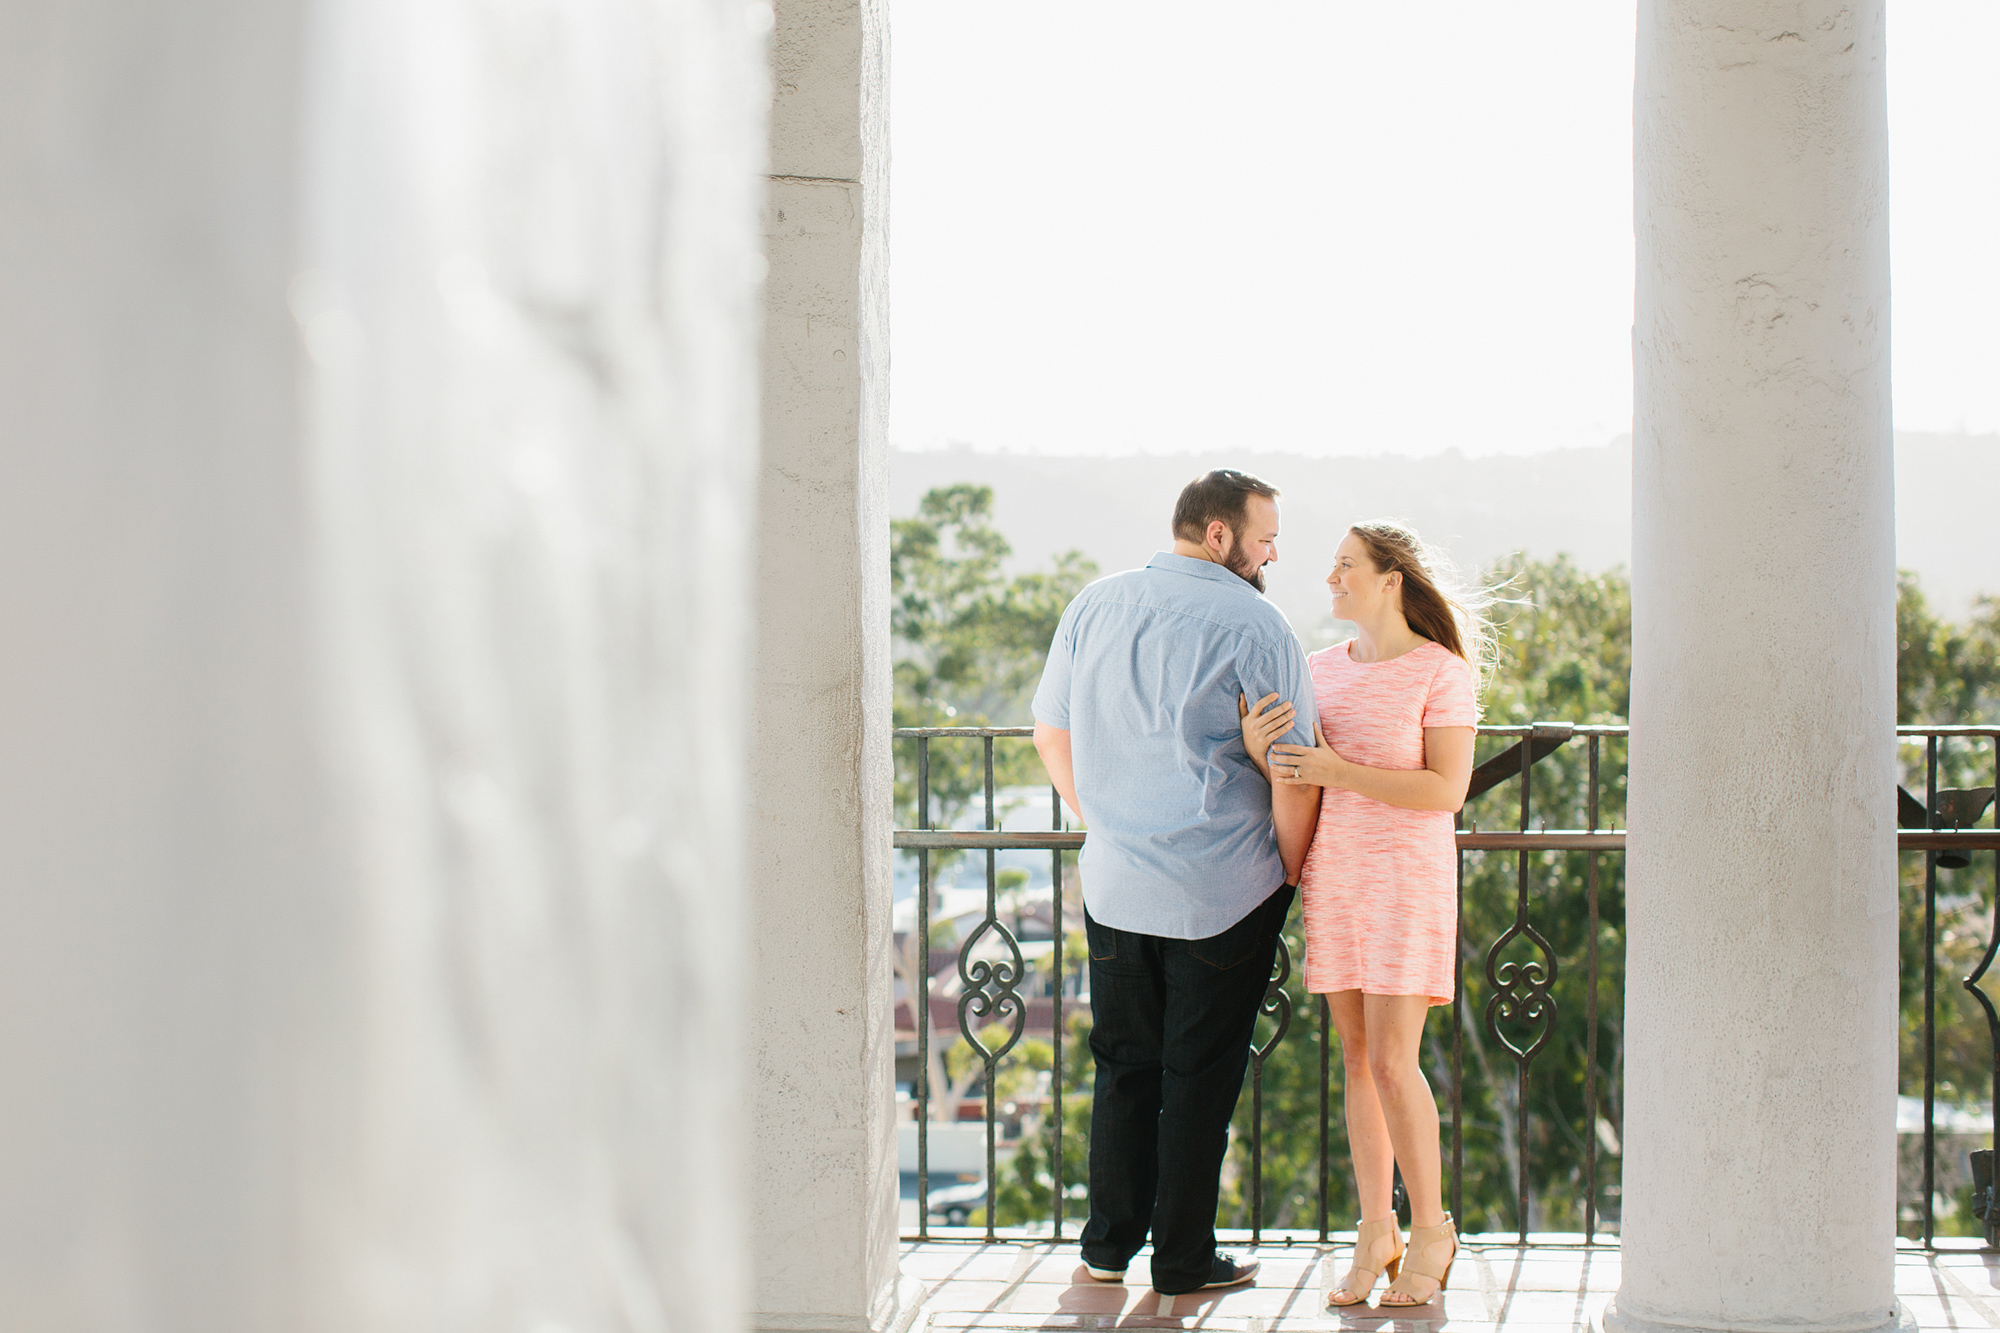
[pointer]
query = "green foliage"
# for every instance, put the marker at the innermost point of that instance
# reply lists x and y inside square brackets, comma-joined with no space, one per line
[1026,1191]
[1947,673]
[969,643]
[1964,919]
[1565,646]
[1017,1068]
[1290,1094]
[1564,654]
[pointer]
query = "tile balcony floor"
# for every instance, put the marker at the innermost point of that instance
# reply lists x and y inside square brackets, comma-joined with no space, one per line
[1496,1285]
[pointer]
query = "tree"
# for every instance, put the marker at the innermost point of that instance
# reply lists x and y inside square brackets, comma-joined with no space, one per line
[1025,1193]
[1947,673]
[1564,654]
[968,643]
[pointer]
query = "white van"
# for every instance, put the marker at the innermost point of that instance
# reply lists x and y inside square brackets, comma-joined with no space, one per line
[957,1170]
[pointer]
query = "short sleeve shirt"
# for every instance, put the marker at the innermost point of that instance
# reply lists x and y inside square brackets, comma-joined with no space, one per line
[1144,673]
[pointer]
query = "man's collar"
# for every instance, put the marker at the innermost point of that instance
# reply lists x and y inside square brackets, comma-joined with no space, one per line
[1196,567]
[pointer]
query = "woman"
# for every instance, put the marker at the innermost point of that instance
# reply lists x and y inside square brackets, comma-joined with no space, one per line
[1393,758]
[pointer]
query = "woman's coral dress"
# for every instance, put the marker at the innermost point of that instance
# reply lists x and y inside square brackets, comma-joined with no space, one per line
[1380,885]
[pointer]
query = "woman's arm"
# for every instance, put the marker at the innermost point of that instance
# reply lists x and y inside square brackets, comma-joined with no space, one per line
[1439,785]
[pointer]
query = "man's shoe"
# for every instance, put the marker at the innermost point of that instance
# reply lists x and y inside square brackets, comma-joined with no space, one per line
[1226,1273]
[1105,1274]
[1229,1273]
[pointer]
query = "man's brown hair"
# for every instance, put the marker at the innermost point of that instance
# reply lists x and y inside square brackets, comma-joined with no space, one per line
[1222,494]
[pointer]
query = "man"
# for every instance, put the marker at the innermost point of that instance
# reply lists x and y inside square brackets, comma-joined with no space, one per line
[1190,867]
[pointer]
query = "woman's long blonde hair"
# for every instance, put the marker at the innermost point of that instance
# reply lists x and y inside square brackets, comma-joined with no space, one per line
[1435,603]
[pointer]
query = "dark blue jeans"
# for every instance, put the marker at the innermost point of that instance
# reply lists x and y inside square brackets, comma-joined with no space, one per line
[1173,1021]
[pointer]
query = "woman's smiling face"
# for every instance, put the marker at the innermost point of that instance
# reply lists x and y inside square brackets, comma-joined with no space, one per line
[1359,591]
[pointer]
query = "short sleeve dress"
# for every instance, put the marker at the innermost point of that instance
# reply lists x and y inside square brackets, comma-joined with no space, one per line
[1380,885]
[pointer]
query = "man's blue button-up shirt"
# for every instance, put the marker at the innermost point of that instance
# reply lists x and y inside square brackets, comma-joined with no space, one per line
[1144,674]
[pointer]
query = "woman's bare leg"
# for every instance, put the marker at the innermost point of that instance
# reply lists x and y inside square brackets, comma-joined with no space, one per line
[1393,1034]
[1368,1138]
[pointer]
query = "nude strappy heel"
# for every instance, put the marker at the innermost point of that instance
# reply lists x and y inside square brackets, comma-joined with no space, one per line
[1378,1249]
[1426,1263]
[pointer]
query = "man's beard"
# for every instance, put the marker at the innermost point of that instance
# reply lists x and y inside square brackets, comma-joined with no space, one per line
[1244,567]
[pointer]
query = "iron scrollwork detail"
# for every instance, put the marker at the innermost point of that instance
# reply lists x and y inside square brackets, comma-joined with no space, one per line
[1521,990]
[1982,1171]
[1277,1002]
[990,991]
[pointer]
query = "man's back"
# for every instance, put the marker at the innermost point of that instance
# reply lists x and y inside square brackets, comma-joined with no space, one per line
[1144,674]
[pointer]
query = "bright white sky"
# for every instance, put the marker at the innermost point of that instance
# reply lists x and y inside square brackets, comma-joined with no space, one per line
[1342,228]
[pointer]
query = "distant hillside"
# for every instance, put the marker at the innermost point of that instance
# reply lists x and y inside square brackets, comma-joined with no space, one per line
[1576,501]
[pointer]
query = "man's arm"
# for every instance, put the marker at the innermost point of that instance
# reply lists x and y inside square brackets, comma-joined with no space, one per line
[1052,743]
[1295,810]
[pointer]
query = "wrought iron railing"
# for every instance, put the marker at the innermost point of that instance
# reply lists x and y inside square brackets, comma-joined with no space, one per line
[1519,1012]
[1941,827]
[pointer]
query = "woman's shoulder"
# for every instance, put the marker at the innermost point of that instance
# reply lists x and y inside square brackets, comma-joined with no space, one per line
[1440,659]
[1439,668]
[1335,655]
[1452,699]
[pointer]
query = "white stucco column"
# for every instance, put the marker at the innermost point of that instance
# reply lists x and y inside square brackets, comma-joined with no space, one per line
[377,444]
[825,1151]
[1759,1181]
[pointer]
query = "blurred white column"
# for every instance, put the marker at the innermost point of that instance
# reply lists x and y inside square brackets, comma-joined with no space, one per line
[1759,1179]
[377,453]
[825,1147]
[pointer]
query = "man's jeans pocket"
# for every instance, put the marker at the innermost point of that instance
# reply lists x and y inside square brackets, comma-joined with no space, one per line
[1243,939]
[1102,938]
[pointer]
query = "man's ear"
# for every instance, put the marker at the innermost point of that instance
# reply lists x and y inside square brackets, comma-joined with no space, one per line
[1217,530]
